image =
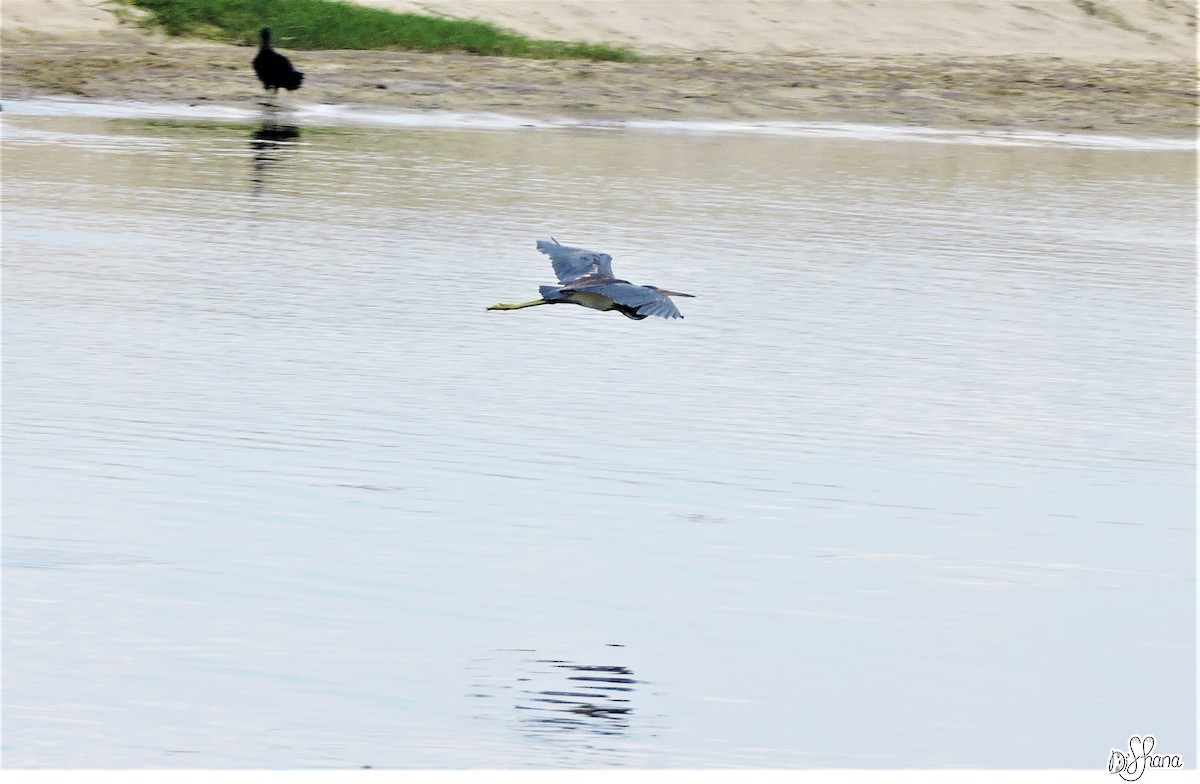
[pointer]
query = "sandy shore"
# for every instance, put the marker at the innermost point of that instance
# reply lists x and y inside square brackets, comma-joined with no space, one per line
[931,63]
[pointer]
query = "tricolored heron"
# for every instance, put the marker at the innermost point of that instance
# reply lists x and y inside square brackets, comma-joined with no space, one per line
[587,279]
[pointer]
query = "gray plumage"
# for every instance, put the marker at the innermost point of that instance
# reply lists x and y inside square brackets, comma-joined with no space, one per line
[586,278]
[571,264]
[641,301]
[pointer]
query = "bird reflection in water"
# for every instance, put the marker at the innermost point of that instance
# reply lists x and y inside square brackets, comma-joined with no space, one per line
[564,712]
[565,697]
[270,144]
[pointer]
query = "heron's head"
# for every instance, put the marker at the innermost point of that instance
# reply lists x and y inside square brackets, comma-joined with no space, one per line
[671,293]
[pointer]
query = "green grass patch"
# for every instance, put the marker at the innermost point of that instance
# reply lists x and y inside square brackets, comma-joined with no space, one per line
[330,24]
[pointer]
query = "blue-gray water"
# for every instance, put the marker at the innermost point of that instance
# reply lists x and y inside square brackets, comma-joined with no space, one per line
[912,485]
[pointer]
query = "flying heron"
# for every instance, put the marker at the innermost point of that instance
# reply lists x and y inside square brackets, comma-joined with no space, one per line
[587,279]
[273,69]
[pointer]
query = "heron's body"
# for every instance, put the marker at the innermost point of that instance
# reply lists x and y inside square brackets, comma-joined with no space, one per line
[273,69]
[589,299]
[587,279]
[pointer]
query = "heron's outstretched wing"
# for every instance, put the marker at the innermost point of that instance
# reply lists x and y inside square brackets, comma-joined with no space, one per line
[644,301]
[571,264]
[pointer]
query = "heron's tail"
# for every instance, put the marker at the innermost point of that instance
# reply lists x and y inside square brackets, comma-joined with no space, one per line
[550,292]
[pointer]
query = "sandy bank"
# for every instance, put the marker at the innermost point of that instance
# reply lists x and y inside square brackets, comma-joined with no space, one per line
[1094,30]
[1049,65]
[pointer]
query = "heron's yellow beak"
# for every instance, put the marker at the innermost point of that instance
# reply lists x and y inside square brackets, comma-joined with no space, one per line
[676,293]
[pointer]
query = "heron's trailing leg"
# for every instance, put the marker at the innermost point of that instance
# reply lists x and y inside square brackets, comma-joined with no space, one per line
[502,306]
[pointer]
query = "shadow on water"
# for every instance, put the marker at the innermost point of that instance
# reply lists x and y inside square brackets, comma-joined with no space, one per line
[583,698]
[271,144]
[578,713]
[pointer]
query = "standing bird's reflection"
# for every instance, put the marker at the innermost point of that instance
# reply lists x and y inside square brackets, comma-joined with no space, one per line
[269,144]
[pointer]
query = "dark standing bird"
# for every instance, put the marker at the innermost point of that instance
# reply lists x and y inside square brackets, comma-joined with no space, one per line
[587,279]
[273,69]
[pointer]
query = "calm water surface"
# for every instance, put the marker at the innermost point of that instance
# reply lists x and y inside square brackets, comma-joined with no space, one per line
[912,485]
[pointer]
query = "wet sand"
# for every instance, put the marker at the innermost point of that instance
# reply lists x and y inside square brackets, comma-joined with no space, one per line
[1132,98]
